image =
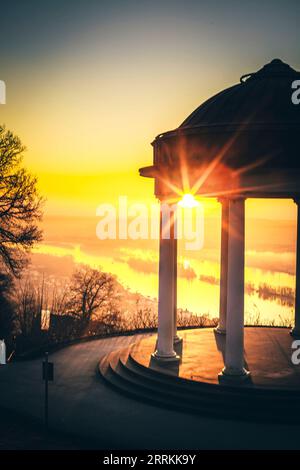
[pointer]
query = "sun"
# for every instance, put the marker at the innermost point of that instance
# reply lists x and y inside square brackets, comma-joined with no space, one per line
[188,201]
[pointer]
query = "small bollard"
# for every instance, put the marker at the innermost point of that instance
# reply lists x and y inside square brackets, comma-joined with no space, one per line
[48,375]
[2,352]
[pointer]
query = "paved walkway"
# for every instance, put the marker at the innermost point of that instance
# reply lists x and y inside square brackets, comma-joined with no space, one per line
[82,404]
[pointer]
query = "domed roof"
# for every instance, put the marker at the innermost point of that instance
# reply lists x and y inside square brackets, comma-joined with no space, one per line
[263,97]
[244,139]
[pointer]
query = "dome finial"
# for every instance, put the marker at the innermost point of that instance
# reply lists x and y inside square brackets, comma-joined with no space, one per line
[274,69]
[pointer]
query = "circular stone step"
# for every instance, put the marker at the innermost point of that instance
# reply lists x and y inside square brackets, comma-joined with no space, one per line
[121,371]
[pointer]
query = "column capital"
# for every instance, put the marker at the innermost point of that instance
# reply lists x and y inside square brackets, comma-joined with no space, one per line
[237,198]
[222,199]
[233,198]
[171,204]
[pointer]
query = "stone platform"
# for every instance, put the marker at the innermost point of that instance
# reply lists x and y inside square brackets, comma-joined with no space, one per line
[267,355]
[272,393]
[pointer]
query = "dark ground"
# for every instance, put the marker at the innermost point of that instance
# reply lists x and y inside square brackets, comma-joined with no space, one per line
[85,413]
[19,432]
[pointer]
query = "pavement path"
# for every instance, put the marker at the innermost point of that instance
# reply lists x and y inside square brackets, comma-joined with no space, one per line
[83,405]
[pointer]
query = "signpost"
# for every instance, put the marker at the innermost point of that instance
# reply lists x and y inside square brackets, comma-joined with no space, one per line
[48,375]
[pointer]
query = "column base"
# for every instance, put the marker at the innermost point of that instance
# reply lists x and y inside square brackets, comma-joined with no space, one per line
[220,331]
[177,340]
[230,376]
[295,333]
[165,359]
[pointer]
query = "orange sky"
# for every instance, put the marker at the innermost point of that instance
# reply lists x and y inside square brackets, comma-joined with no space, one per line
[89,89]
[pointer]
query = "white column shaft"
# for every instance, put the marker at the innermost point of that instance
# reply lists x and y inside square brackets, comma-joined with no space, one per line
[234,354]
[174,235]
[166,288]
[296,329]
[223,267]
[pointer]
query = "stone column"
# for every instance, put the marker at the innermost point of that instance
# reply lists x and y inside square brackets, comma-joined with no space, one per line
[177,339]
[165,336]
[296,330]
[221,328]
[234,354]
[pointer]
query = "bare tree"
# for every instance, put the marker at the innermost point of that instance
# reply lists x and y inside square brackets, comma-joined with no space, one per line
[8,318]
[143,317]
[59,303]
[20,205]
[110,321]
[91,294]
[29,303]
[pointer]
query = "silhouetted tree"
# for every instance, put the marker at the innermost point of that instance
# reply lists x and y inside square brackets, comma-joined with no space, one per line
[91,293]
[9,325]
[20,205]
[29,299]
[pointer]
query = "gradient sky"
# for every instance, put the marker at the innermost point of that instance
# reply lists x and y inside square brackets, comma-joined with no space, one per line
[91,83]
